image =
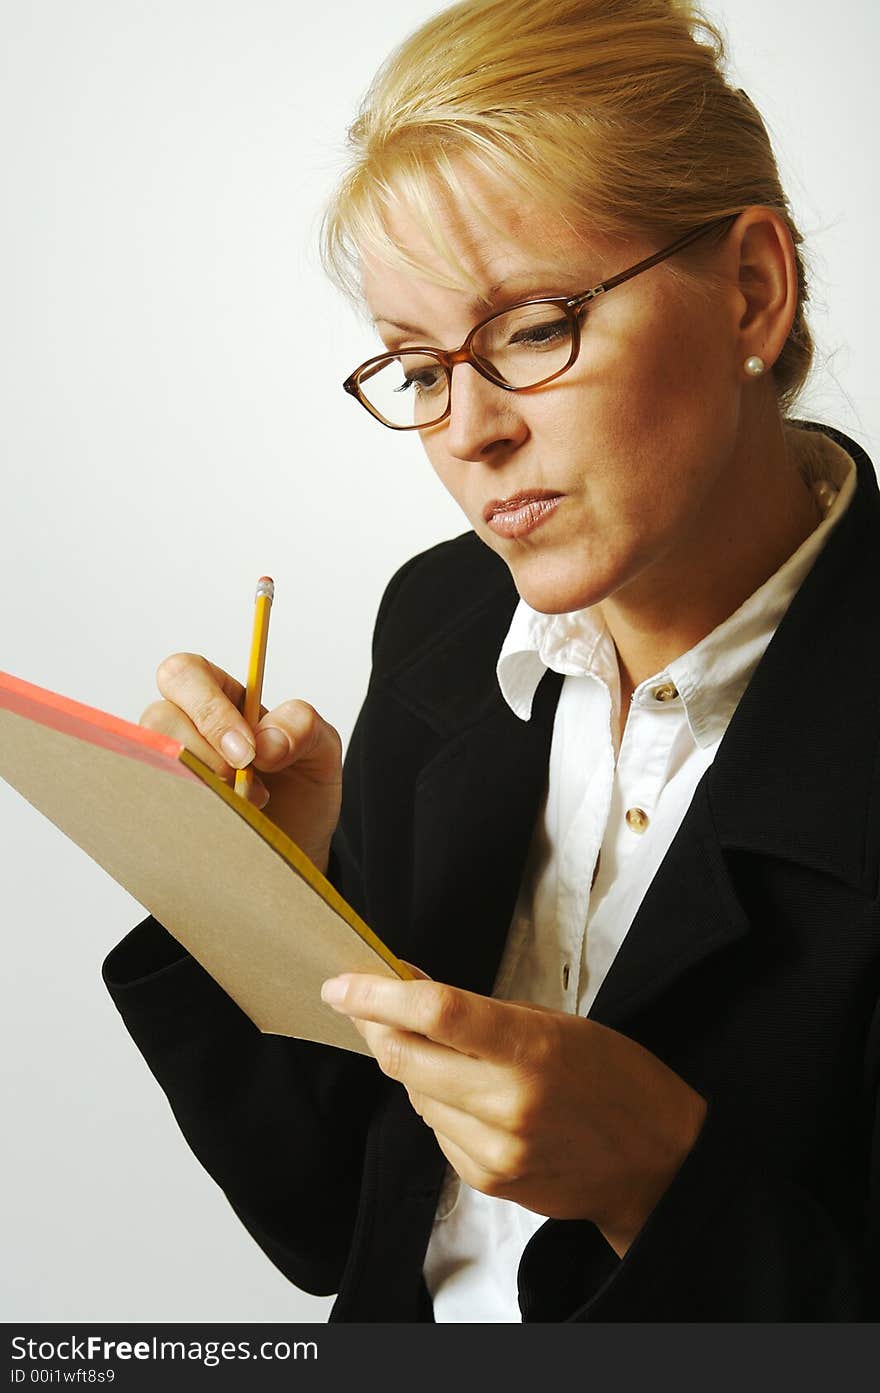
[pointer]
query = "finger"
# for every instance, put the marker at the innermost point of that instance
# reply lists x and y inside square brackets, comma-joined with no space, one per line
[443,1077]
[530,1005]
[169,720]
[484,1167]
[472,1024]
[210,698]
[164,716]
[256,792]
[295,733]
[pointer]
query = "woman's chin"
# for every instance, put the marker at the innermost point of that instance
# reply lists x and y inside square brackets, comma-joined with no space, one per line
[555,588]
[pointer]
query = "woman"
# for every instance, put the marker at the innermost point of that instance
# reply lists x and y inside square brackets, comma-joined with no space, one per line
[605,790]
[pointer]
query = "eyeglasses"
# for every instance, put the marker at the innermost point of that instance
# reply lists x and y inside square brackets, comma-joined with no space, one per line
[525,346]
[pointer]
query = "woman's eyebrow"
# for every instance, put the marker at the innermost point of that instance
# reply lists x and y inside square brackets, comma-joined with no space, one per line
[396,324]
[544,283]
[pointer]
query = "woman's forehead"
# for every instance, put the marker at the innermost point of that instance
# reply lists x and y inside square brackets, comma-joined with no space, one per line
[477,250]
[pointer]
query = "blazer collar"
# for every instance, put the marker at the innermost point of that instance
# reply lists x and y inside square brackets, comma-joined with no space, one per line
[475,801]
[794,775]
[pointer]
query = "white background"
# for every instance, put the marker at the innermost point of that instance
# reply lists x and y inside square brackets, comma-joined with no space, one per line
[171,427]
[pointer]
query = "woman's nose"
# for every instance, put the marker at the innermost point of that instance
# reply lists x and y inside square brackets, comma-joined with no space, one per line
[483,416]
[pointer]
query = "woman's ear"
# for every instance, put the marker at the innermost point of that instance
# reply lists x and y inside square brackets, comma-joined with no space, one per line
[766,274]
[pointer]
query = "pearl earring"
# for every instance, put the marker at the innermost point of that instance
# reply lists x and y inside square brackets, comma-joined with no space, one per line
[754,366]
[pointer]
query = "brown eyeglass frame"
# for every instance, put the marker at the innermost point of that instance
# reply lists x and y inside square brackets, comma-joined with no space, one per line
[571,305]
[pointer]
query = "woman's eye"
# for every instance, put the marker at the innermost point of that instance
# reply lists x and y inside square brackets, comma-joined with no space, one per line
[537,335]
[422,382]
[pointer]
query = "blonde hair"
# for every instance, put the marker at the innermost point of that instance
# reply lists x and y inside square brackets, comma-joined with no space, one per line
[614,114]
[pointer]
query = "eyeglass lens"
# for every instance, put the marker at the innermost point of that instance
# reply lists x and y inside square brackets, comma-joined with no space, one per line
[523,347]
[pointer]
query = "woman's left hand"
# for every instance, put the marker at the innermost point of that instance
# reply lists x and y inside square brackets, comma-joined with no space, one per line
[554,1111]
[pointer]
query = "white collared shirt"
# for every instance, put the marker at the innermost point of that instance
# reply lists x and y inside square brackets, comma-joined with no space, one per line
[605,826]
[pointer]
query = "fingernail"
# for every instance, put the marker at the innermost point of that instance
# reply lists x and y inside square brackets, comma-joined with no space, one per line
[272,744]
[333,991]
[236,749]
[259,794]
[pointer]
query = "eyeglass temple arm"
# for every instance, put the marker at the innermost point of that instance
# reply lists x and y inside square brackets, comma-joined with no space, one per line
[654,260]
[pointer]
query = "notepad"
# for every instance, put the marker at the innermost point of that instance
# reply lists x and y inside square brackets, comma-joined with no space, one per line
[230,886]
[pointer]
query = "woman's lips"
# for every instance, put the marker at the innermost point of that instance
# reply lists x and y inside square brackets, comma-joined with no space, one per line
[521,513]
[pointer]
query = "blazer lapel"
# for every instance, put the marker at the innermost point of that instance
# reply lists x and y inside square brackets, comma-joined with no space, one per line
[795,775]
[690,911]
[476,800]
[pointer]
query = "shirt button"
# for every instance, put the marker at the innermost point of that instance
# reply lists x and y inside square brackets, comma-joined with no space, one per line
[565,977]
[637,819]
[666,692]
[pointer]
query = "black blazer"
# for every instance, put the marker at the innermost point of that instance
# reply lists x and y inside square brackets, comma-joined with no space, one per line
[752,969]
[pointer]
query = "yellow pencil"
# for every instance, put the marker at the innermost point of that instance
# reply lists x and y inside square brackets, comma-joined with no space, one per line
[256,664]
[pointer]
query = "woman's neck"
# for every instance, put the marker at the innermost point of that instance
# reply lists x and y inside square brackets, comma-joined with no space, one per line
[761,513]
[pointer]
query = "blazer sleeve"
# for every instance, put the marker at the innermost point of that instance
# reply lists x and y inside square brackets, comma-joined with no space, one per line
[279,1124]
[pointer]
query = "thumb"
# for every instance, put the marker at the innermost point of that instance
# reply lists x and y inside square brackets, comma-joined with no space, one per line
[534,1006]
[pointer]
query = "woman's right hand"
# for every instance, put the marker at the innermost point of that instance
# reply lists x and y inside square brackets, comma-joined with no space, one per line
[298,754]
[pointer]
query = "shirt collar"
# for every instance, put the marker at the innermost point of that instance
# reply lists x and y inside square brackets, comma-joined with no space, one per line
[712,676]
